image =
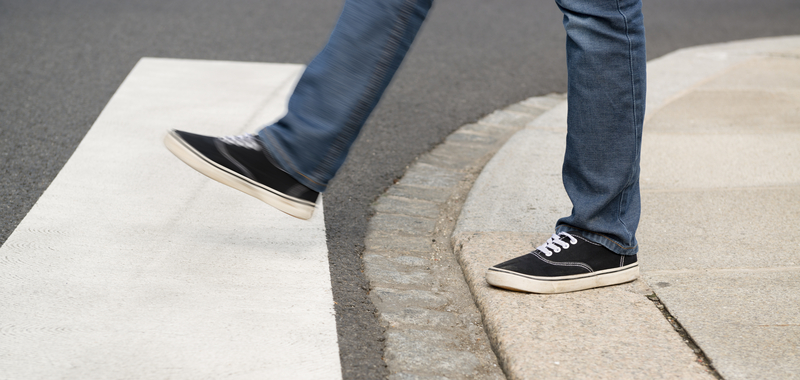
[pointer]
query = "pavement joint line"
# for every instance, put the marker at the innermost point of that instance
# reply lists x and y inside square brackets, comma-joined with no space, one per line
[416,319]
[724,270]
[421,295]
[702,359]
[506,353]
[704,225]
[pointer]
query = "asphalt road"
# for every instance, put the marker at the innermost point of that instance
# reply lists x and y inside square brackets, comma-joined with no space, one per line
[60,62]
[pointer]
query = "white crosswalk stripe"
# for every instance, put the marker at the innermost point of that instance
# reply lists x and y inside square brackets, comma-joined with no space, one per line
[132,265]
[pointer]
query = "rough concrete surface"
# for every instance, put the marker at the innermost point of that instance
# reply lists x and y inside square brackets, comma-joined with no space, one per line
[717,229]
[433,329]
[503,199]
[511,208]
[720,163]
[607,333]
[746,321]
[721,206]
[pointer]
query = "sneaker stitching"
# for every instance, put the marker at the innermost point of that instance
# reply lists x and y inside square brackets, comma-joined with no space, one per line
[548,278]
[604,272]
[564,264]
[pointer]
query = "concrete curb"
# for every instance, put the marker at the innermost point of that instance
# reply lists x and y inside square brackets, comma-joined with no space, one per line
[563,336]
[433,329]
[617,332]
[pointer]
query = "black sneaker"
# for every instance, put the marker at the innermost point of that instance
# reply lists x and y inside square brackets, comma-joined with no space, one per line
[242,163]
[565,263]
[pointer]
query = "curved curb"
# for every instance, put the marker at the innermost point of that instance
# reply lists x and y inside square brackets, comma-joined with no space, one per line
[615,332]
[433,328]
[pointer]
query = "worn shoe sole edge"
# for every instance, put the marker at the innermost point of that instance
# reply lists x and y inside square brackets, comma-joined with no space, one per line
[297,208]
[550,285]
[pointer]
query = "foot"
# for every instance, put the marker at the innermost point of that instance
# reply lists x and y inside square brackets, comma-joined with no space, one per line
[567,262]
[242,163]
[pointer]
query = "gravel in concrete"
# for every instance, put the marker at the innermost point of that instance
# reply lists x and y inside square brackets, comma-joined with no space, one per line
[746,321]
[433,329]
[607,333]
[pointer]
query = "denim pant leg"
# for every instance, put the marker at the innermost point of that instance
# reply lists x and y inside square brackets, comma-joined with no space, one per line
[606,96]
[341,86]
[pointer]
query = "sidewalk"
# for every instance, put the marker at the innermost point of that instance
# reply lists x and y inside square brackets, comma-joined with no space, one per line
[720,245]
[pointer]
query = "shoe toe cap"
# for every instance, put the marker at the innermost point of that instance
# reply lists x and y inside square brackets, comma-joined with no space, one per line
[521,264]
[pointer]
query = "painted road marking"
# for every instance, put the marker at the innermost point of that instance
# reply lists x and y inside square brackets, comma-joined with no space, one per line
[132,265]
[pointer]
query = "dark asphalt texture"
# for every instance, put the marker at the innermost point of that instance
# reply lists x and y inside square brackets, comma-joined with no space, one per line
[60,62]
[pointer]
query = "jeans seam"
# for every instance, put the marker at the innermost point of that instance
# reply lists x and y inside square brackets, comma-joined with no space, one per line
[362,108]
[626,189]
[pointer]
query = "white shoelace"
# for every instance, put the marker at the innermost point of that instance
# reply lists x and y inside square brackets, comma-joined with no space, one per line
[555,244]
[247,140]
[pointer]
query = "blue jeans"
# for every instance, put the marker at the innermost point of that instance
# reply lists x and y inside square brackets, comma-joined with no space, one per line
[606,66]
[341,86]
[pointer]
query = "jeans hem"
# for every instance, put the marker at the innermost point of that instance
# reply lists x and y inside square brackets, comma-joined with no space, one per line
[603,240]
[279,155]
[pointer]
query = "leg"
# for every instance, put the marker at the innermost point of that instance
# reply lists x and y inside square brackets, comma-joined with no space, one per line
[342,86]
[606,63]
[290,162]
[596,245]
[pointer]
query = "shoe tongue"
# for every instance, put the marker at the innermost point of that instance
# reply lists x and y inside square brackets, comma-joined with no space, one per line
[248,141]
[564,238]
[567,239]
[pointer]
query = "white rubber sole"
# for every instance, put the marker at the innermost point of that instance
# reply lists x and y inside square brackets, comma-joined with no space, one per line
[297,208]
[550,285]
